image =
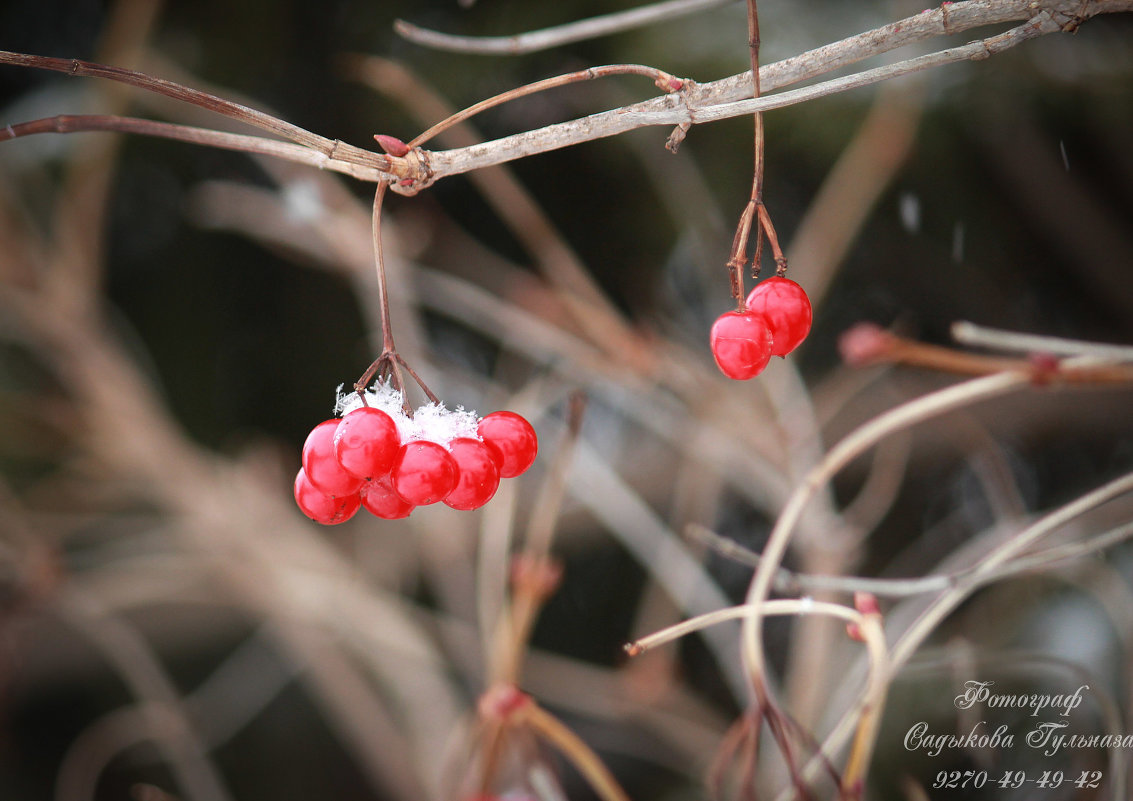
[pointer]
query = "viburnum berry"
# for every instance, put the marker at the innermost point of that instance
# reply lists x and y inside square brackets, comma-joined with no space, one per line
[322,468]
[787,310]
[323,507]
[380,499]
[479,474]
[741,344]
[366,442]
[511,440]
[424,472]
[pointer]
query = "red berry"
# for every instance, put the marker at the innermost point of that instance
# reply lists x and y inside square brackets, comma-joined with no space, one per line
[424,472]
[511,440]
[741,344]
[785,306]
[366,442]
[379,498]
[323,507]
[479,474]
[323,470]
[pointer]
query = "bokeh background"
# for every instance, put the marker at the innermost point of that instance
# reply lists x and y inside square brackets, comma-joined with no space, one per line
[175,319]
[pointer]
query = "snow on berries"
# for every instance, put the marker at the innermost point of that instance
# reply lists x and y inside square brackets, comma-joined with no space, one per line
[776,318]
[375,456]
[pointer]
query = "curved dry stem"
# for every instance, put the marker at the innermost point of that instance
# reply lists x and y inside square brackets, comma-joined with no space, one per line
[870,706]
[992,567]
[774,608]
[856,443]
[534,41]
[661,79]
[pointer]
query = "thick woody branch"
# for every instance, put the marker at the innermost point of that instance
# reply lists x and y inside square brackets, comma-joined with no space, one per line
[692,104]
[731,97]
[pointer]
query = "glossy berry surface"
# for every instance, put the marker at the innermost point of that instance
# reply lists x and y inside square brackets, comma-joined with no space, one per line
[323,507]
[380,499]
[321,466]
[366,443]
[741,344]
[786,307]
[479,474]
[511,440]
[424,472]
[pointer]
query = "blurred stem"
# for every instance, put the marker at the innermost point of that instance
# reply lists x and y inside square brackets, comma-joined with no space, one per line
[535,574]
[577,752]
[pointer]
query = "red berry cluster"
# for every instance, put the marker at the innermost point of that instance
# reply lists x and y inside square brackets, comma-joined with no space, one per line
[381,459]
[775,320]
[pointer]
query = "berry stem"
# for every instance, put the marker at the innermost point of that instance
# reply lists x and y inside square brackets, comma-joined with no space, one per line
[399,359]
[773,240]
[380,264]
[758,138]
[755,208]
[738,256]
[389,364]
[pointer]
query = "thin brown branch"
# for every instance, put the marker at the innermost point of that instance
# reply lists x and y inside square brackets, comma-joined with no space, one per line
[661,79]
[300,154]
[331,148]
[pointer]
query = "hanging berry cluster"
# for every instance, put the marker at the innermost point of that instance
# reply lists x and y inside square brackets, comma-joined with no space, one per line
[378,457]
[774,321]
[776,316]
[381,454]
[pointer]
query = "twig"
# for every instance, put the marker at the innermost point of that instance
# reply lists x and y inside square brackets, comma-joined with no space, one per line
[333,149]
[534,41]
[866,343]
[789,582]
[775,608]
[300,154]
[989,566]
[967,333]
[661,79]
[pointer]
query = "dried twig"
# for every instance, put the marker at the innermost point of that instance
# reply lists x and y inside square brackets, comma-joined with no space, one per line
[534,41]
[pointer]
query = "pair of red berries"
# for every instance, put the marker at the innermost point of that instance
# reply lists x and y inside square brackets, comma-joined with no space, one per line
[775,320]
[366,460]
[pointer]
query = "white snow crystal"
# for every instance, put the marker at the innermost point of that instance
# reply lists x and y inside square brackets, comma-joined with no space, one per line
[433,421]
